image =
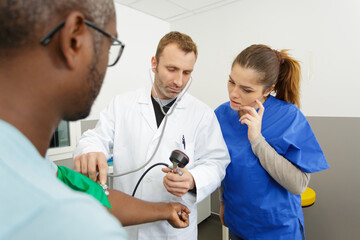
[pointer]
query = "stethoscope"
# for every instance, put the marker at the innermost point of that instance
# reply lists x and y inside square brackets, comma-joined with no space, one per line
[177,157]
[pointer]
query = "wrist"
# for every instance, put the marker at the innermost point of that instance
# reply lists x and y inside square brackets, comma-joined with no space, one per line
[165,211]
[257,139]
[192,185]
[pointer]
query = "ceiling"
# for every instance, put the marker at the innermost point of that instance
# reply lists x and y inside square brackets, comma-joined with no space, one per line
[172,10]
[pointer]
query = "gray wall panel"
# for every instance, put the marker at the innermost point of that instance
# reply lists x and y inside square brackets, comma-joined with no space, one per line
[87,124]
[69,163]
[336,214]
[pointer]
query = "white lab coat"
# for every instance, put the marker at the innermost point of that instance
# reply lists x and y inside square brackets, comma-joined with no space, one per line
[128,126]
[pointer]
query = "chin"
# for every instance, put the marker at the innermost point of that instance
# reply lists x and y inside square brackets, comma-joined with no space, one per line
[170,95]
[78,115]
[235,109]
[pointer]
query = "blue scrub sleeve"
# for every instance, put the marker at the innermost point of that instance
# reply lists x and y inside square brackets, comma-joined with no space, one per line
[296,141]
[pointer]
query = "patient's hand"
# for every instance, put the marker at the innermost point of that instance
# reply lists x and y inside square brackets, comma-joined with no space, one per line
[179,215]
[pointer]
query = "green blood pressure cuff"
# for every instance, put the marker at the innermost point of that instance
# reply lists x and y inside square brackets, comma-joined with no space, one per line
[81,183]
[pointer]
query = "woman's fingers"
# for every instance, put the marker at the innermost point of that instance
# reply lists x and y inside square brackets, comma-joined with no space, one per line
[261,108]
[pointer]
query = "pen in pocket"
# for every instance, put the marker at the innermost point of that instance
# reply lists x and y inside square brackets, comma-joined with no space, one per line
[183,142]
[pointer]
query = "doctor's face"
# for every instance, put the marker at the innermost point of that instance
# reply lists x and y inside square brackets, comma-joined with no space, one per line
[172,71]
[244,88]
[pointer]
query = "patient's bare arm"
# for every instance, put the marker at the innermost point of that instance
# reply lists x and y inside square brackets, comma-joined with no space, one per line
[132,211]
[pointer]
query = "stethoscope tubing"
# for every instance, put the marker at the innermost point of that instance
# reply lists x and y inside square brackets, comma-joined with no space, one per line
[152,80]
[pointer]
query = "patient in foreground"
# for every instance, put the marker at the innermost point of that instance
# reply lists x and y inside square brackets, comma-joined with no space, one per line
[53,59]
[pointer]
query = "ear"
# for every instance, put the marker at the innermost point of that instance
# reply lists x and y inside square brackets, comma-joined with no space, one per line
[269,90]
[73,38]
[153,63]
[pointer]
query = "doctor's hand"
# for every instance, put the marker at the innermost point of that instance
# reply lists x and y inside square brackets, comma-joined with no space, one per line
[90,163]
[177,184]
[253,120]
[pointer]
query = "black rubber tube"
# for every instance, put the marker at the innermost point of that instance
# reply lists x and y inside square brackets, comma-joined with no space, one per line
[142,176]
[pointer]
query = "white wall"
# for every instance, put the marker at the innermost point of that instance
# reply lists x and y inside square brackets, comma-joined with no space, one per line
[324,35]
[141,34]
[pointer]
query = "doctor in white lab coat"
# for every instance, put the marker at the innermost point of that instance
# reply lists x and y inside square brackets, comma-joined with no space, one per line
[131,128]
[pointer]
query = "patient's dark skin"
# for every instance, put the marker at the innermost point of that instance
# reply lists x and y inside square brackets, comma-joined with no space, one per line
[61,81]
[132,211]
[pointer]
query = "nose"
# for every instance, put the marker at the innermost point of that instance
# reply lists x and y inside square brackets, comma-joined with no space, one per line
[234,93]
[179,80]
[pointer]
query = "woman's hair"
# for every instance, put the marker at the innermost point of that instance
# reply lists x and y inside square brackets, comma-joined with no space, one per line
[275,68]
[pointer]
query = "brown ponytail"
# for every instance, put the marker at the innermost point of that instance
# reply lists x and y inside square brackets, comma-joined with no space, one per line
[276,68]
[287,87]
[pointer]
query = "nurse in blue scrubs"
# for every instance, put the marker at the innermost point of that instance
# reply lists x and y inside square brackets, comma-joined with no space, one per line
[272,147]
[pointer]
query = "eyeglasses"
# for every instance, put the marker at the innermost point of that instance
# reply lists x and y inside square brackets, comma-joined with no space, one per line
[116,48]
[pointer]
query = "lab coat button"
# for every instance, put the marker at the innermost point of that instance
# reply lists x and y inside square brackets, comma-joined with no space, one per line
[148,180]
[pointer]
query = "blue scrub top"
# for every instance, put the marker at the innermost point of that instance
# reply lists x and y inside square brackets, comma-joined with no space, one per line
[256,206]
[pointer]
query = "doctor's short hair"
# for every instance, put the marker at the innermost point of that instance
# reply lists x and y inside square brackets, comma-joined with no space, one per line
[184,42]
[24,22]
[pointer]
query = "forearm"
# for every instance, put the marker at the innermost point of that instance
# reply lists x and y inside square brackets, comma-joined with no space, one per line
[207,180]
[132,211]
[221,191]
[279,168]
[209,172]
